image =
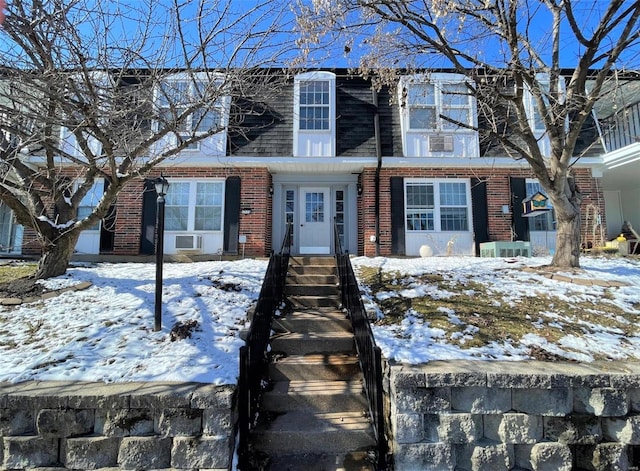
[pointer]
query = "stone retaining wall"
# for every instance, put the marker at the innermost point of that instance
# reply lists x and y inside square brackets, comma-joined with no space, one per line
[120,426]
[467,415]
[460,415]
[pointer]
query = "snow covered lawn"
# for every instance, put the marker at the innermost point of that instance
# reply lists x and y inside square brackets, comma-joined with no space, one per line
[428,308]
[105,333]
[495,309]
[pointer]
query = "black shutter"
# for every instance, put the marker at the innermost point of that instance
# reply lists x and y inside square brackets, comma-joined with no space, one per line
[231,214]
[480,212]
[397,216]
[518,194]
[149,211]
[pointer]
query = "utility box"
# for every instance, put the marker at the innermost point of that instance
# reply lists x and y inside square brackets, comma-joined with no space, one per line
[504,249]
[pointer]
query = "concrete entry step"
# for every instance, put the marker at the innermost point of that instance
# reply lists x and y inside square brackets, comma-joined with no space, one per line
[311,290]
[356,461]
[313,320]
[311,279]
[316,396]
[300,270]
[332,367]
[306,343]
[311,301]
[312,266]
[312,260]
[305,432]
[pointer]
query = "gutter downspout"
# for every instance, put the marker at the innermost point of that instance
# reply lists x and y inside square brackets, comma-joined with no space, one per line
[376,130]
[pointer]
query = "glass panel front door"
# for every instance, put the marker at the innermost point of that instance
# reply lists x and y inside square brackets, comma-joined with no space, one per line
[315,221]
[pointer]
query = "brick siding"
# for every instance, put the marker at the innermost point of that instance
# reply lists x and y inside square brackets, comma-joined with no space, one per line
[498,194]
[255,183]
[254,197]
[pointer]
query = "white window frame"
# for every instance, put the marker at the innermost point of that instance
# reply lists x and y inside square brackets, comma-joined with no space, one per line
[436,210]
[330,132]
[314,95]
[536,122]
[439,82]
[68,141]
[192,205]
[91,200]
[220,107]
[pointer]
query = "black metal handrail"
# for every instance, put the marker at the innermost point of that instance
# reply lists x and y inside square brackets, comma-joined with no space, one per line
[254,357]
[369,353]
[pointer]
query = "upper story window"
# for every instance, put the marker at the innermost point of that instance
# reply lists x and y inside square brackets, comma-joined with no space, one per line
[191,105]
[438,105]
[534,114]
[438,116]
[535,117]
[314,114]
[92,93]
[314,105]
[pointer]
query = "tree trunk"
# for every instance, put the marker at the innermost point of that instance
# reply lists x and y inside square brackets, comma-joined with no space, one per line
[567,201]
[56,256]
[567,253]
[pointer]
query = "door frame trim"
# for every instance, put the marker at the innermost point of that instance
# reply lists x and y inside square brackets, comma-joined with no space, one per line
[347,182]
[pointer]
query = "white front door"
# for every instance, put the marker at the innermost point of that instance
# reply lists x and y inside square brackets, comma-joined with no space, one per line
[315,221]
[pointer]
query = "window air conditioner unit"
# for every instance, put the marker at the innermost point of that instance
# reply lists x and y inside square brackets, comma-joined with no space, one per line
[442,143]
[189,242]
[507,90]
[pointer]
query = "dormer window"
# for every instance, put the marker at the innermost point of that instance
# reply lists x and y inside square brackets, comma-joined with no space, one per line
[438,116]
[536,119]
[94,94]
[314,115]
[430,104]
[422,106]
[314,105]
[534,114]
[192,106]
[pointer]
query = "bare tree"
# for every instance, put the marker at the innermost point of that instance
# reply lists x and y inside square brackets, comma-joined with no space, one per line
[86,92]
[510,51]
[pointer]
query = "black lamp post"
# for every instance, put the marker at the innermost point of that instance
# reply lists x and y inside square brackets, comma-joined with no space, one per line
[162,186]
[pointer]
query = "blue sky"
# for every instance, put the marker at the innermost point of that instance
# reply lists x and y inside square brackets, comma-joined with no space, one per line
[141,32]
[238,25]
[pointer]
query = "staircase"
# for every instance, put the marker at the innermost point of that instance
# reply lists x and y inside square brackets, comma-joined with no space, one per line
[314,417]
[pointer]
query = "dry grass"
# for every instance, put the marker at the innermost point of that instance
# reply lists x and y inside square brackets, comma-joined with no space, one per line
[490,317]
[15,270]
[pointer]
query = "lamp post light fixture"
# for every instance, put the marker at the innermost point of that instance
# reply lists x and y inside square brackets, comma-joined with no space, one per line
[162,186]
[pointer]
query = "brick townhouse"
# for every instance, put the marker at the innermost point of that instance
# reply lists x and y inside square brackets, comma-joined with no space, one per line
[393,175]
